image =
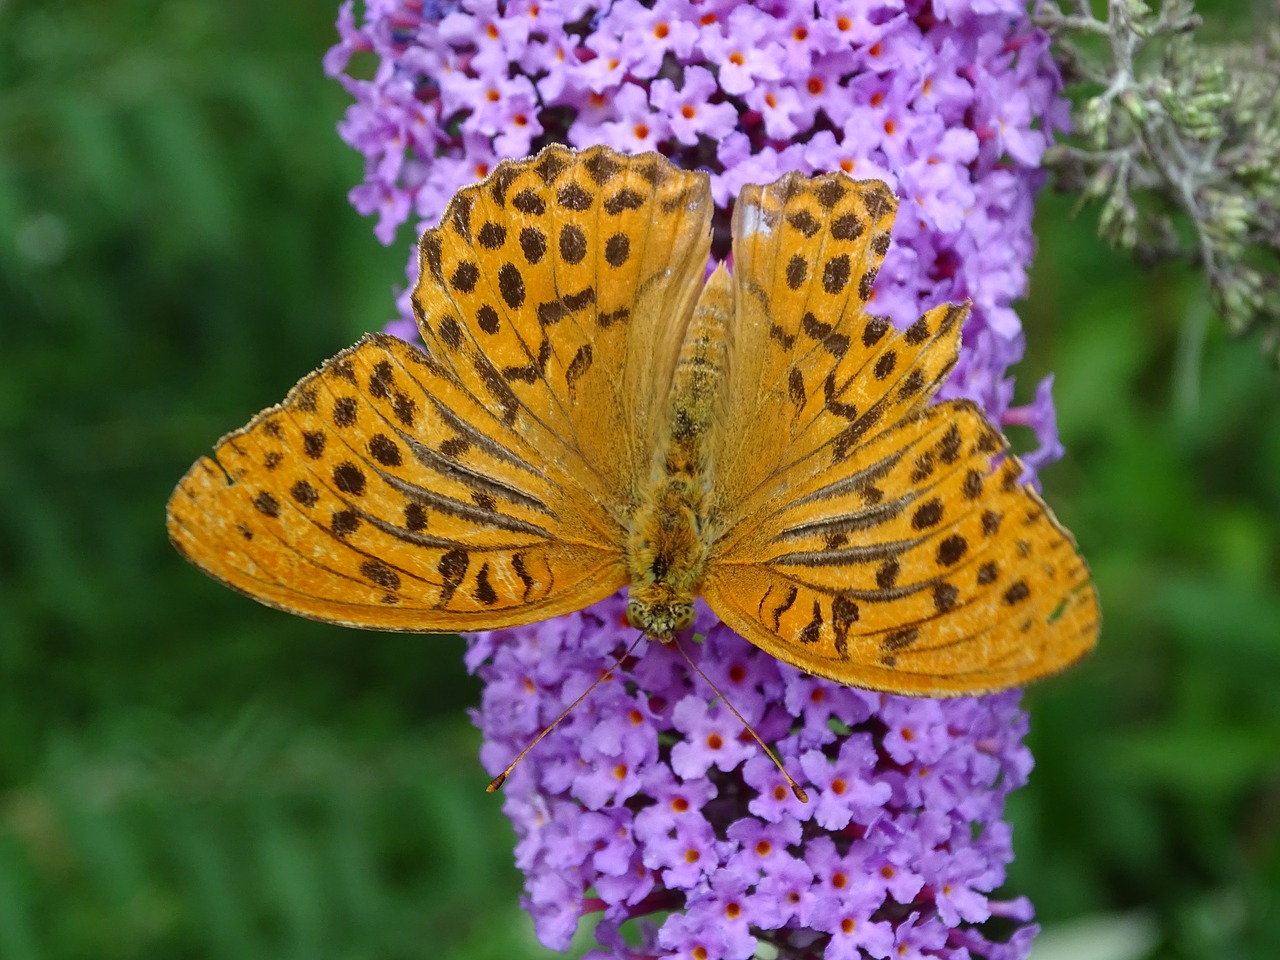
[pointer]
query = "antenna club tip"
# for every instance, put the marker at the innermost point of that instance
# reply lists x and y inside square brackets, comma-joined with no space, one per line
[799,792]
[496,783]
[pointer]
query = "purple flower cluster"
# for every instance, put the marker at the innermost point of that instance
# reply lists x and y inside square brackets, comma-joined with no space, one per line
[649,805]
[952,103]
[651,800]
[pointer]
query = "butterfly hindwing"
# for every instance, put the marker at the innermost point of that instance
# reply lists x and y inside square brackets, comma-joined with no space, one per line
[919,570]
[381,494]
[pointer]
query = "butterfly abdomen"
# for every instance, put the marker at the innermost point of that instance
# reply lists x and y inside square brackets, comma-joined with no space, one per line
[667,546]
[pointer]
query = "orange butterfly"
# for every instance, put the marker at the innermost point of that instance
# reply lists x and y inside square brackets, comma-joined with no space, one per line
[590,413]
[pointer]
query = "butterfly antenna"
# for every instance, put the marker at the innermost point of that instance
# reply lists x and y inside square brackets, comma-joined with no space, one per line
[497,781]
[795,787]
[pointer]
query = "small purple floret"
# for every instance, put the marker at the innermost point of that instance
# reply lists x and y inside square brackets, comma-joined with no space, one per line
[902,841]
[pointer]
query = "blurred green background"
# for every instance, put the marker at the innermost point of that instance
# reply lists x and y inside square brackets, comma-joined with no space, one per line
[184,773]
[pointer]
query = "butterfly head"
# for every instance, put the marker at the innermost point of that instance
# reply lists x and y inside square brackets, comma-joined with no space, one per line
[661,621]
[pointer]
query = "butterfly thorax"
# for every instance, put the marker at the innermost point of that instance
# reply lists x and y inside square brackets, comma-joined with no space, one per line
[667,546]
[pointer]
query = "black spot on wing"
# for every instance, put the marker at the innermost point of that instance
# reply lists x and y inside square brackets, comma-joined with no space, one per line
[900,638]
[266,504]
[812,631]
[304,493]
[378,572]
[782,607]
[484,592]
[625,199]
[528,202]
[533,242]
[844,613]
[453,570]
[574,197]
[511,285]
[797,269]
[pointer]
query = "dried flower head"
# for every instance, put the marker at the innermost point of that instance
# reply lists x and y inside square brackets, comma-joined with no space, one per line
[1175,131]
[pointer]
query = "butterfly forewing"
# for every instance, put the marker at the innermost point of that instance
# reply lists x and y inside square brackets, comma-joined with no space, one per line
[808,364]
[561,288]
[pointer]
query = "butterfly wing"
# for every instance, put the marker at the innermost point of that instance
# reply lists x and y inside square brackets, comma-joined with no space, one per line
[860,533]
[486,481]
[565,283]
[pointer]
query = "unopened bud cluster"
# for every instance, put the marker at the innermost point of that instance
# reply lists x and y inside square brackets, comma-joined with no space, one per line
[1176,132]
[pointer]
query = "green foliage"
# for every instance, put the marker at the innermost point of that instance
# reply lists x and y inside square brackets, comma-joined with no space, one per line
[1179,137]
[1157,783]
[187,774]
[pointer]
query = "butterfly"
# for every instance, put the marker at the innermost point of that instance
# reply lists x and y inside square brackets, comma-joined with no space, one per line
[592,410]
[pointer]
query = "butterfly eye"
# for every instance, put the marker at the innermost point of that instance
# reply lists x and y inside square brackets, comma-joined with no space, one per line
[635,614]
[684,616]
